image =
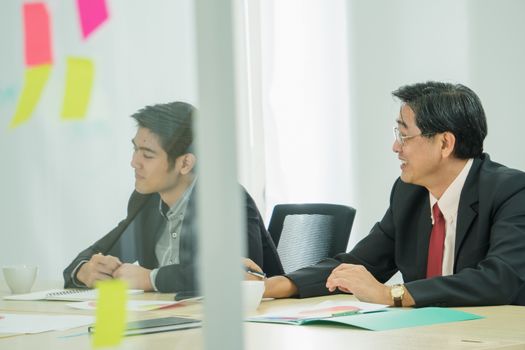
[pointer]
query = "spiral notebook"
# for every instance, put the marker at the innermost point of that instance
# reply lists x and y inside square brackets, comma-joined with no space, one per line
[64,295]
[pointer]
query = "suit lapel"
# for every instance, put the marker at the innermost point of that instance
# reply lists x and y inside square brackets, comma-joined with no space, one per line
[150,222]
[468,206]
[423,238]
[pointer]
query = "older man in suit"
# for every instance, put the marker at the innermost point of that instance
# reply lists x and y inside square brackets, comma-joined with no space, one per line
[455,228]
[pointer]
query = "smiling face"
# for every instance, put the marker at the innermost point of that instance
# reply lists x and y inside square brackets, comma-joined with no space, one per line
[420,156]
[153,172]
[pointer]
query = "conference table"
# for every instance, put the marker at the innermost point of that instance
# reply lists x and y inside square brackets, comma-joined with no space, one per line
[503,327]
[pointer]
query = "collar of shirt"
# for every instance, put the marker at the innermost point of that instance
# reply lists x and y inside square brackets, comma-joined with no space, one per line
[179,206]
[449,201]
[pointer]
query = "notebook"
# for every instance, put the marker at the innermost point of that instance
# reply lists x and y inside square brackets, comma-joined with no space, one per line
[64,295]
[157,325]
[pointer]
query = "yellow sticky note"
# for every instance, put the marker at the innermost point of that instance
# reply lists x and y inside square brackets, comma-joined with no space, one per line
[35,79]
[79,82]
[111,313]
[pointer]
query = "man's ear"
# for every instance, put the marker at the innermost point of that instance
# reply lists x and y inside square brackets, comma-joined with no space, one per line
[448,142]
[188,162]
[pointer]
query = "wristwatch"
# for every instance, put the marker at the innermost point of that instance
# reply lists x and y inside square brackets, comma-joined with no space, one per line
[397,292]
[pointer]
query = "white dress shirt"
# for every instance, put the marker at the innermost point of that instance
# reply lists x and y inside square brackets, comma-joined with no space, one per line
[449,203]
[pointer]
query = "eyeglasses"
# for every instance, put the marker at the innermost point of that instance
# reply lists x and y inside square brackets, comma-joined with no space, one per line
[401,138]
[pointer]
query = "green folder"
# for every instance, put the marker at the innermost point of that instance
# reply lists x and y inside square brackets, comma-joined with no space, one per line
[380,321]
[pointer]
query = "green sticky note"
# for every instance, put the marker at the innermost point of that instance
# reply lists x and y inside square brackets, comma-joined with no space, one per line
[111,313]
[79,82]
[380,321]
[35,79]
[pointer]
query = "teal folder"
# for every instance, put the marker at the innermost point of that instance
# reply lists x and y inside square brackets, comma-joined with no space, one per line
[380,321]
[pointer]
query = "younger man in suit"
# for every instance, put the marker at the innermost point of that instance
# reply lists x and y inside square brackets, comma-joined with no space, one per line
[455,228]
[155,246]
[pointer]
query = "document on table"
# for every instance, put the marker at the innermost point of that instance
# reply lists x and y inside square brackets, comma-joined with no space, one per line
[132,305]
[324,310]
[35,323]
[64,295]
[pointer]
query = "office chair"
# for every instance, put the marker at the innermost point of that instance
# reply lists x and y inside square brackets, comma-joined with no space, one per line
[307,233]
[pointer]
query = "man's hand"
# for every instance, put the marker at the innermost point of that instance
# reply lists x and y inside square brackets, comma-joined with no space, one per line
[137,276]
[275,287]
[251,266]
[99,267]
[357,280]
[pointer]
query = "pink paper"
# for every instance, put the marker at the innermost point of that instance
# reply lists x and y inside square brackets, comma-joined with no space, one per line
[92,14]
[37,34]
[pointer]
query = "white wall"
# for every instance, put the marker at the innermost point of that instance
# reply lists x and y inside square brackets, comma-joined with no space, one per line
[497,70]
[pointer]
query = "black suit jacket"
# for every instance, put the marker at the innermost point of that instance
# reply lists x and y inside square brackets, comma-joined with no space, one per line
[135,238]
[489,260]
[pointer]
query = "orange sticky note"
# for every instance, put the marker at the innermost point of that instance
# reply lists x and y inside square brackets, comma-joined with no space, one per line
[35,79]
[79,82]
[37,34]
[110,313]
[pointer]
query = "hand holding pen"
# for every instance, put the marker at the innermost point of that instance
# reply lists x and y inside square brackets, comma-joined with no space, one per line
[258,274]
[252,269]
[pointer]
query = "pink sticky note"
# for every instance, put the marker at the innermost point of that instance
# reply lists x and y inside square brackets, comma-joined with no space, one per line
[37,34]
[92,14]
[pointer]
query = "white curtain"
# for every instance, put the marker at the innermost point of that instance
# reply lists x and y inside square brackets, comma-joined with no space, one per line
[305,102]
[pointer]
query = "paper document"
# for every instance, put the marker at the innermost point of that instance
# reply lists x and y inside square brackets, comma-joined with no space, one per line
[33,323]
[64,295]
[132,305]
[326,309]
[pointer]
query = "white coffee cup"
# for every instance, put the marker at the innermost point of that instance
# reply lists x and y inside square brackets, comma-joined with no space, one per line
[252,292]
[20,278]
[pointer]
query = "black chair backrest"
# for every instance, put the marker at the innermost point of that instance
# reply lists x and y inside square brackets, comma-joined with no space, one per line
[307,233]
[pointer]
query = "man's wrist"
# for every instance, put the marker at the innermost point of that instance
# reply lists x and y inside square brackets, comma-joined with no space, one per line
[279,287]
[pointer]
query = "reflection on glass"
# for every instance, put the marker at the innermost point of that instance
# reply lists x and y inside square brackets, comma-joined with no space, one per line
[155,247]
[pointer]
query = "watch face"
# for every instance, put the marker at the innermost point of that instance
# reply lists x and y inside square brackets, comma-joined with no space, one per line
[397,291]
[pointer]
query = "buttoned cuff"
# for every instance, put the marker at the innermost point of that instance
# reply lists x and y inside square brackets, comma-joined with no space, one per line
[76,282]
[152,277]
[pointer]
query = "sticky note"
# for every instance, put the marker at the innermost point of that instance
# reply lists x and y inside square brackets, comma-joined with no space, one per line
[92,14]
[35,79]
[37,34]
[79,82]
[110,313]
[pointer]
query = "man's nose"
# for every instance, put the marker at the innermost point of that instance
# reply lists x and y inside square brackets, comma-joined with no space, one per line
[396,147]
[134,162]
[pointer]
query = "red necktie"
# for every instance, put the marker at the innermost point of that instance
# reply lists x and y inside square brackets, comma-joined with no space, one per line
[437,244]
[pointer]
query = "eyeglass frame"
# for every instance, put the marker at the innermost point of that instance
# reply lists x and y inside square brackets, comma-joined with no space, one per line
[401,138]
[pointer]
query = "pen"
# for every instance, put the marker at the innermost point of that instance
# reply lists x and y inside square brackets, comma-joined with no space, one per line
[261,275]
[344,313]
